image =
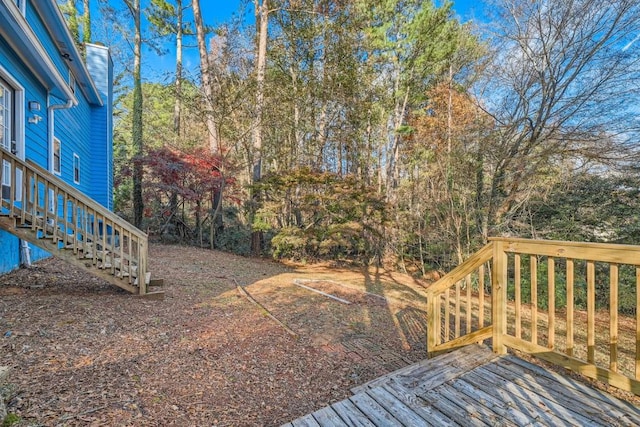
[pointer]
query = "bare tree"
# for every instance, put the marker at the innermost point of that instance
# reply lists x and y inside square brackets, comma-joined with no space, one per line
[560,89]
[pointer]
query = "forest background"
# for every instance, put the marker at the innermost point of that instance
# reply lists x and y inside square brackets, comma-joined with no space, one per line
[375,131]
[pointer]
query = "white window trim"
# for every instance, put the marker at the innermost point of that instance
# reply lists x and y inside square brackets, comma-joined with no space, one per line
[18,93]
[8,116]
[18,131]
[53,157]
[75,156]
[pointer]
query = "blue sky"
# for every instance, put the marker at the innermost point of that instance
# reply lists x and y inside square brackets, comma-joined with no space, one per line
[220,11]
[217,12]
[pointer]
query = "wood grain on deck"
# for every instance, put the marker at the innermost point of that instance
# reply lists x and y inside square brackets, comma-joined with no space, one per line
[474,387]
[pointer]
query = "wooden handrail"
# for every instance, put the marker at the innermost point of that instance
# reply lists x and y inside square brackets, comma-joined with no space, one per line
[462,271]
[597,354]
[57,211]
[81,197]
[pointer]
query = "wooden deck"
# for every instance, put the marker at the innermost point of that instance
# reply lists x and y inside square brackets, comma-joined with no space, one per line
[474,387]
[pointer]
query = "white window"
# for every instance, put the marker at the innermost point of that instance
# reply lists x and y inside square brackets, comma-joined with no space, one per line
[12,122]
[76,168]
[6,115]
[6,133]
[6,180]
[57,156]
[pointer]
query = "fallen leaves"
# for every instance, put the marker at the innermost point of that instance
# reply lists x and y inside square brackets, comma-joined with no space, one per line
[87,353]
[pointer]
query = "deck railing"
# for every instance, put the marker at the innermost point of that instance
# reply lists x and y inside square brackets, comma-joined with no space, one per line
[74,222]
[560,301]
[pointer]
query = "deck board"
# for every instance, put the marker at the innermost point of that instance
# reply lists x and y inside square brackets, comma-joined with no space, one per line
[327,417]
[472,406]
[497,405]
[417,370]
[596,411]
[351,415]
[432,415]
[534,412]
[473,386]
[374,411]
[570,415]
[305,422]
[631,411]
[450,406]
[399,409]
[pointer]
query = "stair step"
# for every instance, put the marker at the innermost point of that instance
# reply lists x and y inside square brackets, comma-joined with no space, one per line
[156,283]
[155,295]
[99,254]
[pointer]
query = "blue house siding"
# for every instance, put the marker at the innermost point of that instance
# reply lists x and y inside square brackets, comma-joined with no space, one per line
[101,69]
[35,146]
[84,129]
[36,140]
[102,177]
[72,127]
[8,250]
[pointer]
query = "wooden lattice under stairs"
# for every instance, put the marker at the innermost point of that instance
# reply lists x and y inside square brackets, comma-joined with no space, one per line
[43,210]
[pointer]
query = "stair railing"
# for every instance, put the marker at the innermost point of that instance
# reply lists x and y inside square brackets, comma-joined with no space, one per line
[55,210]
[540,297]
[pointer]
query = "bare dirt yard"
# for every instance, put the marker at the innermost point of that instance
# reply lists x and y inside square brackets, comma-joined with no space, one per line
[86,353]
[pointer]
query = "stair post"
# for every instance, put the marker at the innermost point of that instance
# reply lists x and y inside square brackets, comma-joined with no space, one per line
[142,266]
[433,323]
[499,296]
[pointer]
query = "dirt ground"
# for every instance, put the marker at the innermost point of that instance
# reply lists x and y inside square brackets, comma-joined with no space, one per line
[86,353]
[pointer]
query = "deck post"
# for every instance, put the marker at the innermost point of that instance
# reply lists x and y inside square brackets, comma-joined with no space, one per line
[498,297]
[433,323]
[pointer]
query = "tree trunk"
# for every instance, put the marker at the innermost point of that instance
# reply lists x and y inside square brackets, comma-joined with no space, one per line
[262,15]
[177,109]
[393,170]
[137,131]
[205,71]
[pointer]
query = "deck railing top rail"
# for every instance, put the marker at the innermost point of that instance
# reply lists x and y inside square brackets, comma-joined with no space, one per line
[601,252]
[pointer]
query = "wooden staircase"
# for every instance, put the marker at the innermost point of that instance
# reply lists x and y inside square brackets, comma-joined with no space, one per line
[45,211]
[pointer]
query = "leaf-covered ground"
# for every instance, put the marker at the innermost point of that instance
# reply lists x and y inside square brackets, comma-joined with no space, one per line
[86,353]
